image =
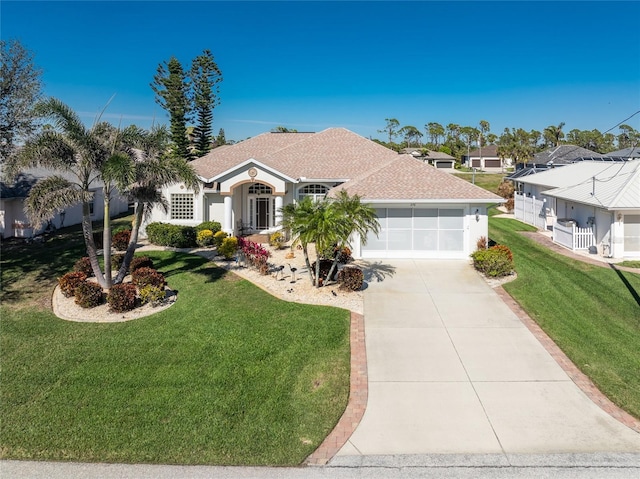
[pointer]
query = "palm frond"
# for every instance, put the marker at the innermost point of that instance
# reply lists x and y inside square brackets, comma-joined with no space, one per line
[50,196]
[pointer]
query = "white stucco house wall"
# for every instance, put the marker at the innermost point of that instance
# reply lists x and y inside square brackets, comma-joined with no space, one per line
[423,212]
[486,158]
[14,221]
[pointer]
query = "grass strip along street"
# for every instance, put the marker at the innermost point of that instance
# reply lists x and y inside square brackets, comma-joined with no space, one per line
[227,375]
[592,313]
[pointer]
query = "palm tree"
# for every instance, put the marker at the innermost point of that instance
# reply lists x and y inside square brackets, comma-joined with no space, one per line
[553,134]
[73,149]
[353,217]
[147,174]
[327,223]
[296,219]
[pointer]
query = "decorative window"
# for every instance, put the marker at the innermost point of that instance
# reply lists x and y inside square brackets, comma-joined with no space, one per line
[316,192]
[181,206]
[260,189]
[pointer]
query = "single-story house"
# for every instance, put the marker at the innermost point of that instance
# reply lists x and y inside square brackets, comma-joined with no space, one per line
[591,205]
[437,159]
[564,155]
[423,212]
[631,153]
[486,158]
[14,221]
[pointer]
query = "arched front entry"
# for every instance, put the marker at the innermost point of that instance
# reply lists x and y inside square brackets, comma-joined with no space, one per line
[260,207]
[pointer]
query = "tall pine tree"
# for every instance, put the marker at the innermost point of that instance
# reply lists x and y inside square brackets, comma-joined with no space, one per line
[205,80]
[171,87]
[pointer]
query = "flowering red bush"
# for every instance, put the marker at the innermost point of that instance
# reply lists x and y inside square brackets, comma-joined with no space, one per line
[256,255]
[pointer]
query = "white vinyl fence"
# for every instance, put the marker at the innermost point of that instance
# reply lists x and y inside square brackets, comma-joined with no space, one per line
[530,210]
[567,234]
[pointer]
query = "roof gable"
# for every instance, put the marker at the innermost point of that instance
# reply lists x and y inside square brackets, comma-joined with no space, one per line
[335,153]
[615,187]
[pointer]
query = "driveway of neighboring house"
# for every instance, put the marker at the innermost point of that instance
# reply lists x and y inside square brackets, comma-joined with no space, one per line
[452,370]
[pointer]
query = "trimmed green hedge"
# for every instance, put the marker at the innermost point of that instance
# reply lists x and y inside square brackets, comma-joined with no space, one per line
[176,236]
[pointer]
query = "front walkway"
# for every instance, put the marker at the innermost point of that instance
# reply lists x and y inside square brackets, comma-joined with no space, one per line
[452,370]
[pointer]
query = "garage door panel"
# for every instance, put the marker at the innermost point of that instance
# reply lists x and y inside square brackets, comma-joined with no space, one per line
[418,233]
[399,239]
[399,218]
[425,240]
[376,242]
[451,219]
[632,234]
[451,240]
[425,219]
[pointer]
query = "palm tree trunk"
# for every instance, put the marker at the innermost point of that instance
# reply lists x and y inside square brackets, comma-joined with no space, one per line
[106,238]
[133,241]
[92,251]
[334,266]
[305,253]
[317,269]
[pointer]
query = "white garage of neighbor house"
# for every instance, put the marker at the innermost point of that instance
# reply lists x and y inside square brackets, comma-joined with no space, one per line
[423,212]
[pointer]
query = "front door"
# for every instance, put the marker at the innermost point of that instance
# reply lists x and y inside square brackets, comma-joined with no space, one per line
[263,215]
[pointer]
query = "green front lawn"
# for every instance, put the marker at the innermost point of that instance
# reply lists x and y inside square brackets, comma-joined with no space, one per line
[488,181]
[592,313]
[227,375]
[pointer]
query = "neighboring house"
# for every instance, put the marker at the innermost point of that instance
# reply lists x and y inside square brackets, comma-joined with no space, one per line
[626,153]
[554,157]
[590,205]
[437,159]
[486,158]
[564,155]
[14,221]
[423,212]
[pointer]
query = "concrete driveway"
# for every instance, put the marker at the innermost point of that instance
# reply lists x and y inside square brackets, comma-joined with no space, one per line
[453,371]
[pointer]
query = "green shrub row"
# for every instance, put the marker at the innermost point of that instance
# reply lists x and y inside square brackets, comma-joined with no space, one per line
[176,236]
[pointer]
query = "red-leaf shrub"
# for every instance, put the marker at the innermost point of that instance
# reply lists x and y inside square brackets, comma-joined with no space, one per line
[89,295]
[141,277]
[122,297]
[83,265]
[140,262]
[120,240]
[70,281]
[351,278]
[255,255]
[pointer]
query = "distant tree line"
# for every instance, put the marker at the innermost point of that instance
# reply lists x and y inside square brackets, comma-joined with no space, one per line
[515,143]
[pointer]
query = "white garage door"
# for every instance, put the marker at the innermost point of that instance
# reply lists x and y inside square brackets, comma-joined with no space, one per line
[632,235]
[417,233]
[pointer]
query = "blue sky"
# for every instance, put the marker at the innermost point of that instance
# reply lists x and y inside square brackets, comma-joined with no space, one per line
[313,65]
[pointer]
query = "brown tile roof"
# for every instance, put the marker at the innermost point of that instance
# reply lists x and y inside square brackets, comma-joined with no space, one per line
[488,151]
[375,171]
[335,153]
[407,178]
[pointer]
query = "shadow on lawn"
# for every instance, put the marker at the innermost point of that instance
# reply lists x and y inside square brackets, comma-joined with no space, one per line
[187,262]
[631,289]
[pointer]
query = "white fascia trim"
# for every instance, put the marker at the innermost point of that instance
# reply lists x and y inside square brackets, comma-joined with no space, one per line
[438,201]
[304,179]
[257,163]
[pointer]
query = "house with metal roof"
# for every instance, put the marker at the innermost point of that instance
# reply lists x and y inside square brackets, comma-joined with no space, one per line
[588,205]
[423,211]
[437,159]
